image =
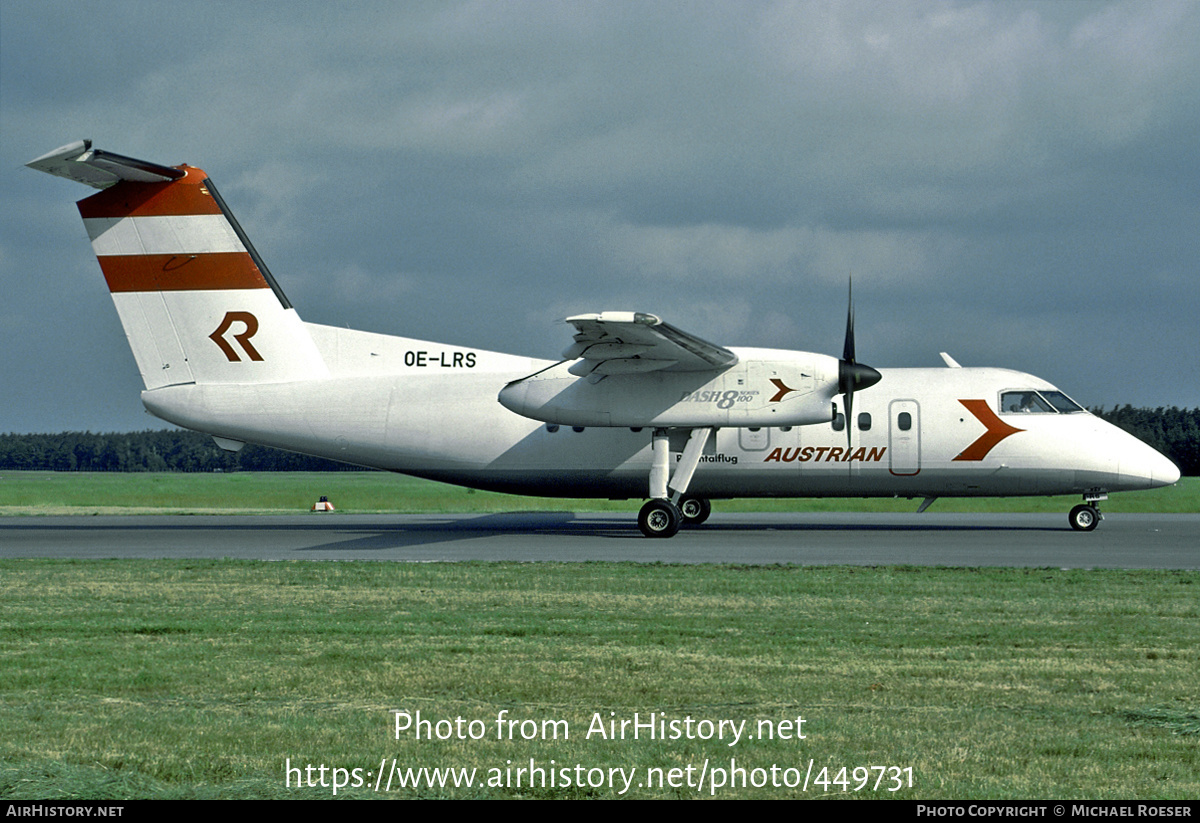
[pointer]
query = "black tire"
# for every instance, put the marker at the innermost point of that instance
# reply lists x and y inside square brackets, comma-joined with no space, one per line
[659,518]
[695,510]
[1084,517]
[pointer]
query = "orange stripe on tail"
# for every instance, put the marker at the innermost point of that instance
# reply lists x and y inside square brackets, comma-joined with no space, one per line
[144,263]
[188,195]
[178,272]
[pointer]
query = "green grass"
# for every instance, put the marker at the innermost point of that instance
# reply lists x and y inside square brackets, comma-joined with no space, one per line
[195,679]
[23,493]
[200,679]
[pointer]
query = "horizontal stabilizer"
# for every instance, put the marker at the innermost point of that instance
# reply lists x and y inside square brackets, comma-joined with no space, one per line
[78,161]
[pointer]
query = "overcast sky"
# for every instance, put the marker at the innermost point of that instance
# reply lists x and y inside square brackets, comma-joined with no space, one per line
[1015,183]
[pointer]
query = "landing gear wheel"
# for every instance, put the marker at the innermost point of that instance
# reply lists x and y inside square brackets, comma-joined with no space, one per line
[659,518]
[695,510]
[1084,517]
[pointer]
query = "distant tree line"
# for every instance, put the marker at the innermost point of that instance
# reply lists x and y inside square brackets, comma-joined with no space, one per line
[1174,432]
[147,451]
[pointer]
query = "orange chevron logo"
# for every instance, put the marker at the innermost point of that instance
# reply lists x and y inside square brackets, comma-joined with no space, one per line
[783,390]
[997,430]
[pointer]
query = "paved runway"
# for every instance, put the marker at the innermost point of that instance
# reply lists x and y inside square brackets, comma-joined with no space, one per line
[929,539]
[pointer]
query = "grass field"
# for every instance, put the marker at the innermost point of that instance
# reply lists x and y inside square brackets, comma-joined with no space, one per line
[127,679]
[209,679]
[24,493]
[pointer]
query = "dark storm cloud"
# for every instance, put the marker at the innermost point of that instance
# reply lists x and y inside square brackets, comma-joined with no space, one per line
[1015,183]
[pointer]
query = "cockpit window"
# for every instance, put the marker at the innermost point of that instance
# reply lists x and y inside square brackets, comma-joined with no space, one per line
[1062,403]
[1037,402]
[1024,402]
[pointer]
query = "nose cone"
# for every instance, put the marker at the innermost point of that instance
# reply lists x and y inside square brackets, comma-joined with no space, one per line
[1143,467]
[1165,473]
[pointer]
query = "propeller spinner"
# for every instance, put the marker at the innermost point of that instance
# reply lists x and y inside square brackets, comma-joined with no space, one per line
[852,375]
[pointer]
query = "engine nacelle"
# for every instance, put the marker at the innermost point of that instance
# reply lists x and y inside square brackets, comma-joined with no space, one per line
[765,387]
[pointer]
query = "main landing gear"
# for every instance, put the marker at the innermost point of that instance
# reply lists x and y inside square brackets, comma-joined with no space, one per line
[662,518]
[695,510]
[1086,516]
[670,506]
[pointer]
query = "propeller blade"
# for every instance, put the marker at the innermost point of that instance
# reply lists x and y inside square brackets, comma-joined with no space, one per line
[852,375]
[848,346]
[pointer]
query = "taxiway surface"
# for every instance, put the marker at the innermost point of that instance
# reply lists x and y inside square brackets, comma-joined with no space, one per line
[1147,541]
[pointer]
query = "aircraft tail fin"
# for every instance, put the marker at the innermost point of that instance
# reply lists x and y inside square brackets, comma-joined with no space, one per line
[197,303]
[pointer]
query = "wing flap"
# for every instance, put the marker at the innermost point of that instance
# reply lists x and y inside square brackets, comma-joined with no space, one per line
[635,343]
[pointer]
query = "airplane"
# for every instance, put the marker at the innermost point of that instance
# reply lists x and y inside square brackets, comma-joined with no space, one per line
[634,408]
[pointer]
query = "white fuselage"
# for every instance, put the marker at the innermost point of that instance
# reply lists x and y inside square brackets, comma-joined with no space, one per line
[431,410]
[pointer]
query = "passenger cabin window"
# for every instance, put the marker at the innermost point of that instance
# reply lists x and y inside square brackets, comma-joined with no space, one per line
[839,422]
[904,421]
[1037,402]
[864,422]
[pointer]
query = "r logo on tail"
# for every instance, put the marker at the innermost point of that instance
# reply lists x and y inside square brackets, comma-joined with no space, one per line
[243,339]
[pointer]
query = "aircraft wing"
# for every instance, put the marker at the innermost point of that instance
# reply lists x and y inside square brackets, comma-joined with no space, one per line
[622,342]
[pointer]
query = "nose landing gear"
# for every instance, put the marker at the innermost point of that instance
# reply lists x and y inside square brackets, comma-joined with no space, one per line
[1086,516]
